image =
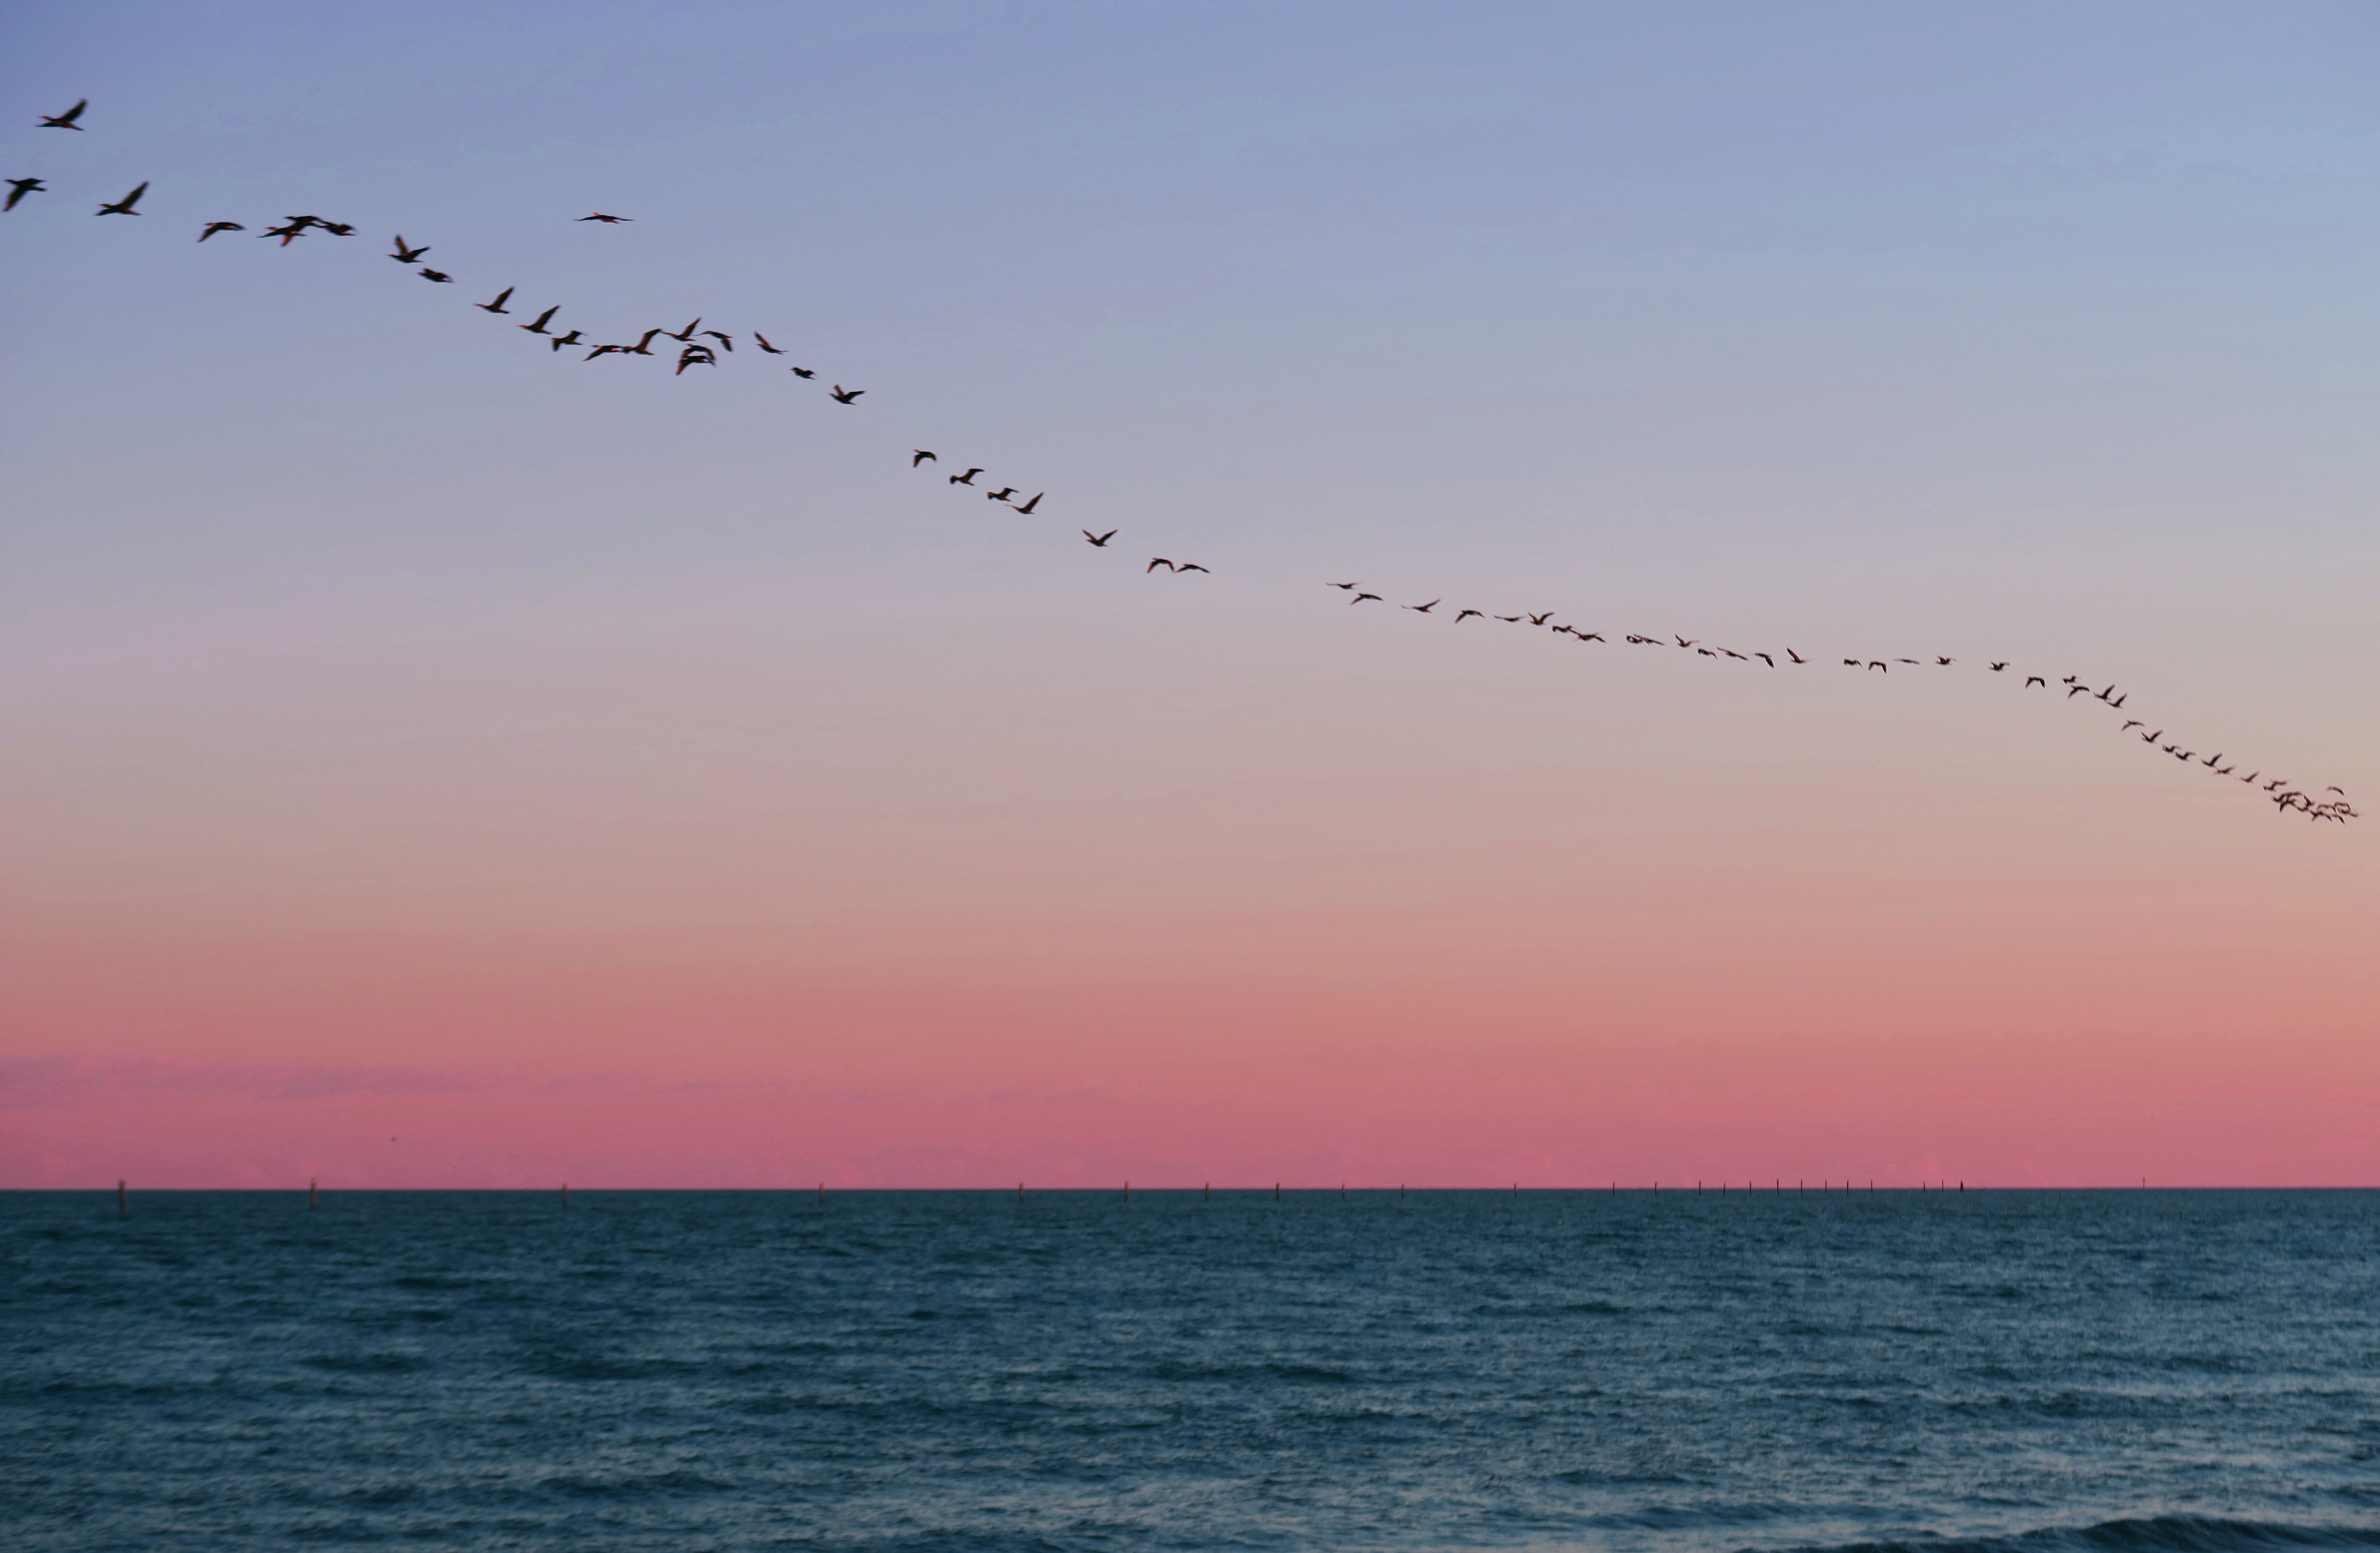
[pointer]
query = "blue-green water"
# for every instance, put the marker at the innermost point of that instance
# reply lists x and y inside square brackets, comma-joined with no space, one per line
[959,1370]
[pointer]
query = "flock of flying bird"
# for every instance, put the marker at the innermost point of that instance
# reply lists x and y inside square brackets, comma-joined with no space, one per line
[693,351]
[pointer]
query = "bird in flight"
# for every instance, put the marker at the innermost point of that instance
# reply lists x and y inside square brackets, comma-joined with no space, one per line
[919,455]
[2131,724]
[570,339]
[1026,508]
[409,255]
[1361,597]
[801,372]
[124,206]
[762,341]
[967,478]
[1002,494]
[725,342]
[605,350]
[1541,619]
[1467,614]
[1998,667]
[19,187]
[694,355]
[1099,540]
[542,319]
[215,226]
[1765,659]
[686,334]
[1795,656]
[1190,567]
[644,345]
[1155,561]
[441,276]
[289,233]
[2037,679]
[1944,661]
[843,395]
[66,119]
[338,228]
[1346,587]
[1423,609]
[607,220]
[498,305]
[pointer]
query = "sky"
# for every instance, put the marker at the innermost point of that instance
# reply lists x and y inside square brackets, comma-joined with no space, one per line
[427,760]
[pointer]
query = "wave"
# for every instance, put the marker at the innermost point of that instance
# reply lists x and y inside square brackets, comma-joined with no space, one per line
[2160,1533]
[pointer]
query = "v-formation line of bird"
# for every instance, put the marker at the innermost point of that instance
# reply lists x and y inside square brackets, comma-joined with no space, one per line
[2284,796]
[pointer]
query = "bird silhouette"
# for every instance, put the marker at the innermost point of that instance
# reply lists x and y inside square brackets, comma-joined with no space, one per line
[801,372]
[1765,659]
[644,345]
[1155,561]
[570,339]
[1682,642]
[1943,661]
[919,455]
[1027,508]
[290,233]
[725,342]
[967,478]
[686,334]
[1795,656]
[1465,614]
[19,187]
[498,305]
[441,276]
[1423,609]
[66,119]
[2037,679]
[542,319]
[409,255]
[2131,723]
[762,341]
[1541,619]
[123,206]
[214,226]
[1002,494]
[605,350]
[694,355]
[1998,667]
[1885,667]
[1190,567]
[607,220]
[338,228]
[1344,587]
[1099,540]
[1361,597]
[1515,620]
[843,395]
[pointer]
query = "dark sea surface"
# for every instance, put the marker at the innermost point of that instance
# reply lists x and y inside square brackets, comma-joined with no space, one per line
[2044,1371]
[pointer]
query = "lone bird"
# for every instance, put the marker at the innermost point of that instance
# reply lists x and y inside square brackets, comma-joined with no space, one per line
[570,339]
[498,305]
[441,276]
[124,206]
[409,255]
[1944,661]
[967,478]
[19,187]
[762,341]
[542,319]
[66,119]
[1099,540]
[1998,667]
[1423,609]
[919,455]
[843,395]
[607,220]
[1002,494]
[1026,508]
[215,226]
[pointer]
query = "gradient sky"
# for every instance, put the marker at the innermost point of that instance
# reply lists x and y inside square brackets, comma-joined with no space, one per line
[426,761]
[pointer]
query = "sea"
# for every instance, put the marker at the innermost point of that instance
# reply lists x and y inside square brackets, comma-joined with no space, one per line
[1955,1372]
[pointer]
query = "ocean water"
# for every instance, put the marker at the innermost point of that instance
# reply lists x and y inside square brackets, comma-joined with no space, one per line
[2047,1371]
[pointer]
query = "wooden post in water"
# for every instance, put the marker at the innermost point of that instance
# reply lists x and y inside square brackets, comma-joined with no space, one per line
[822,1193]
[313,1194]
[1343,1190]
[1127,1191]
[1401,1191]
[1210,1190]
[565,1194]
[1276,1191]
[1020,1190]
[121,1210]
